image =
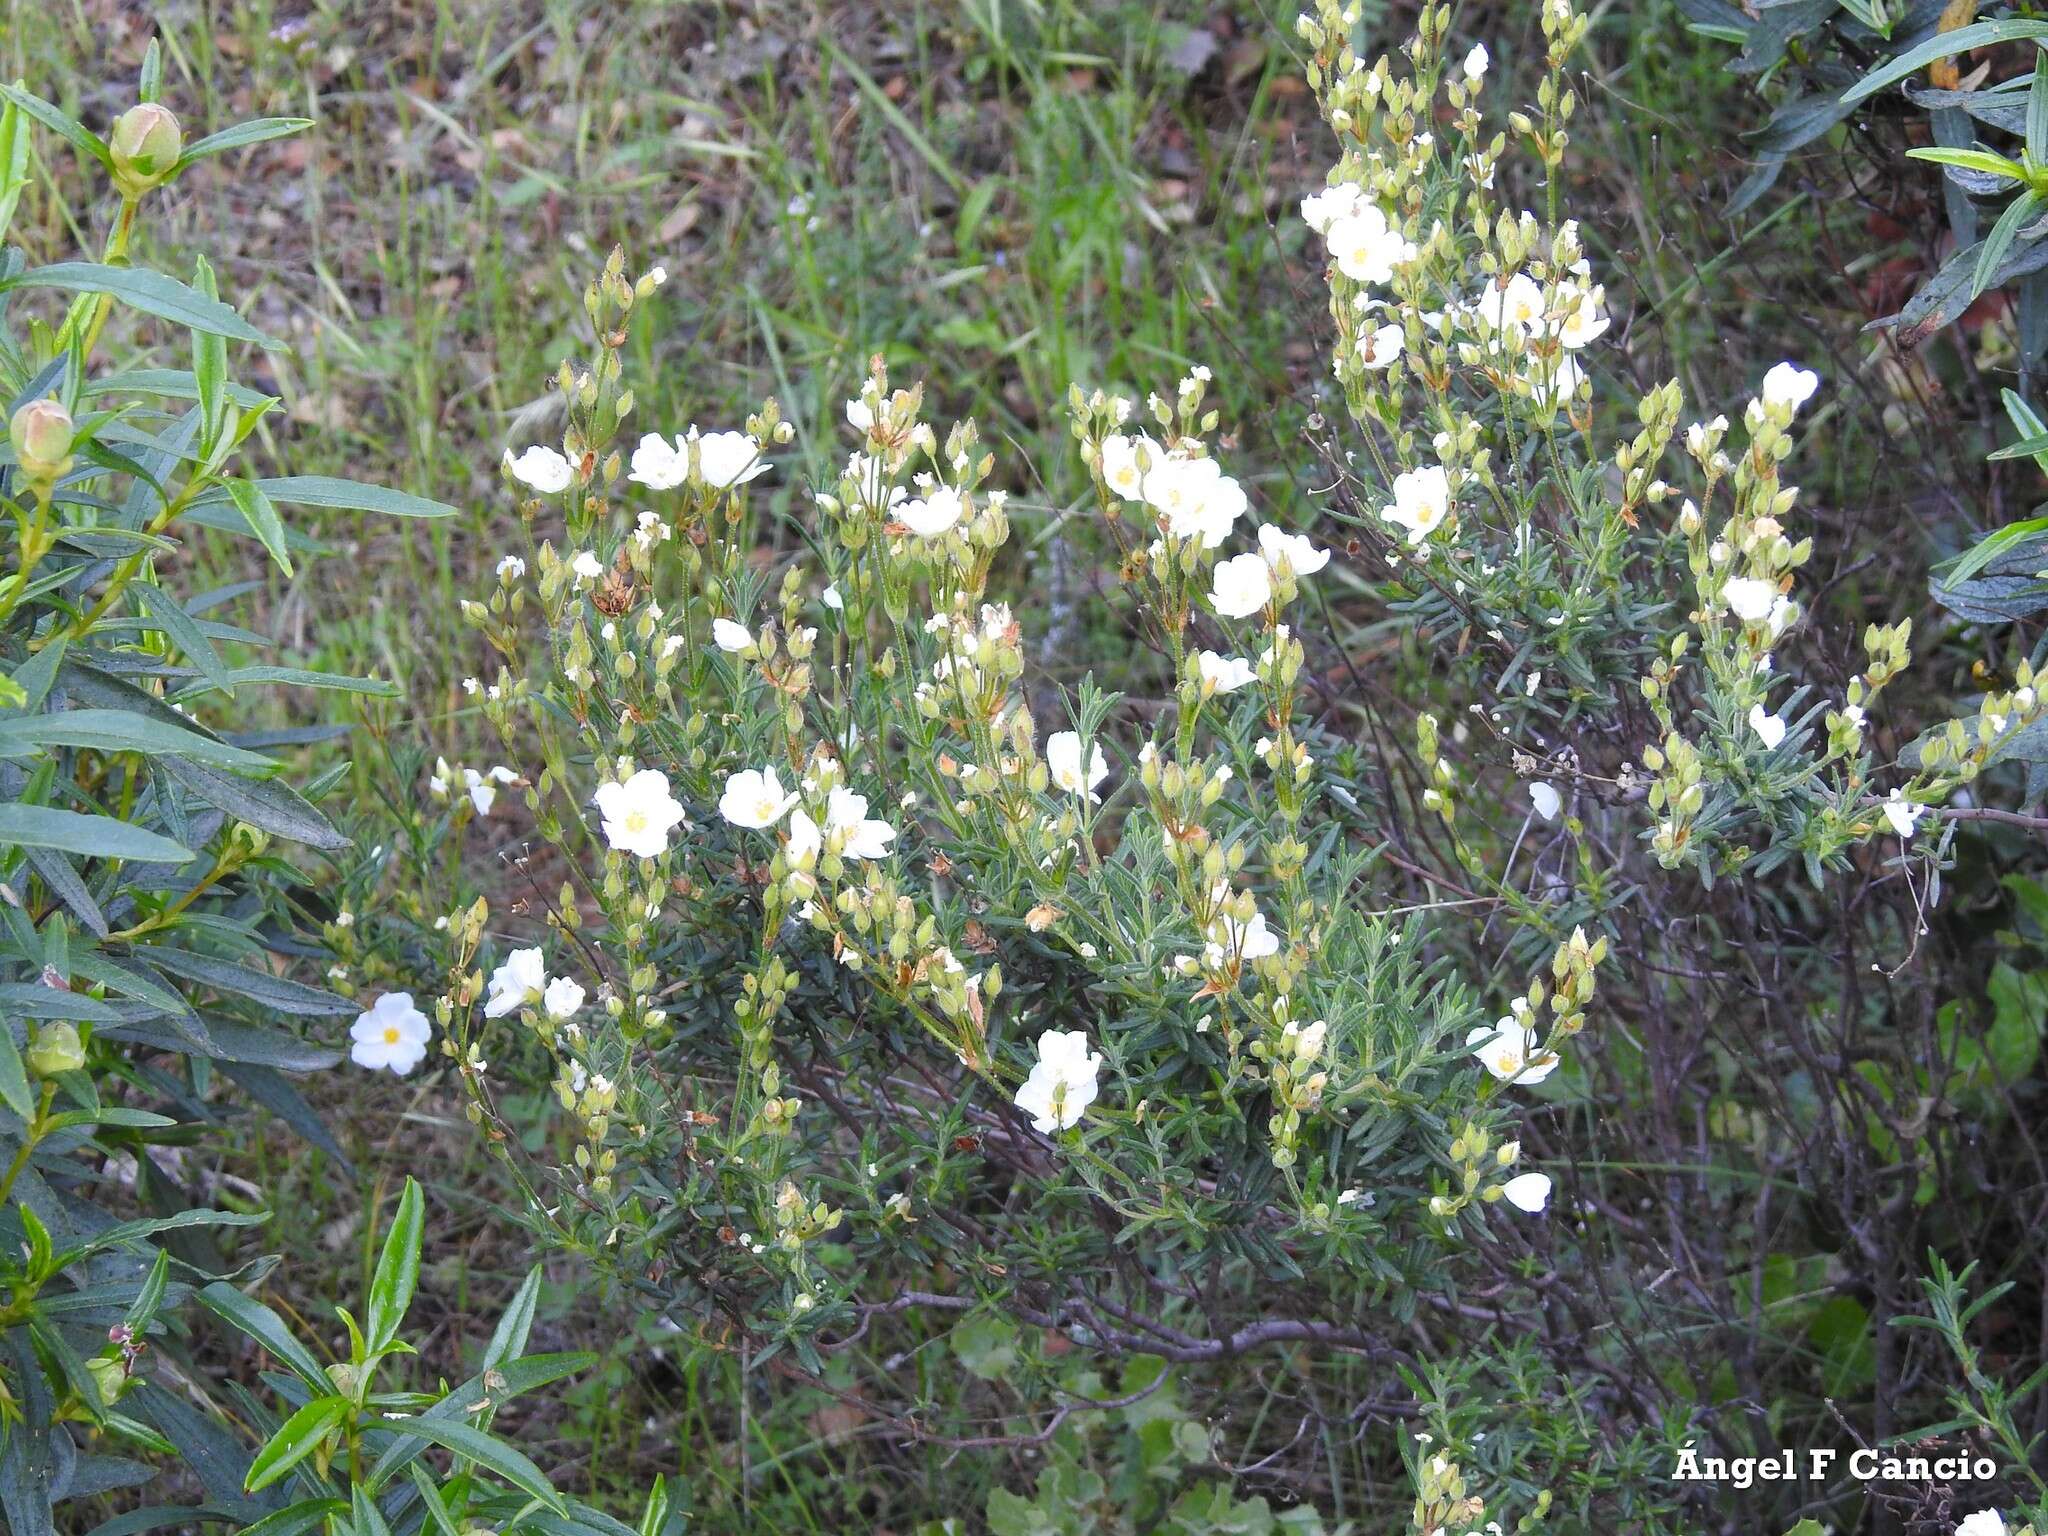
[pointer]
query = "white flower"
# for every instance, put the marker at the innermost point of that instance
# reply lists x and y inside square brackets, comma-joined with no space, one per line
[541,469]
[1199,500]
[561,998]
[831,599]
[586,566]
[1788,384]
[1515,305]
[727,458]
[659,464]
[754,798]
[1475,63]
[847,813]
[1063,1083]
[1586,320]
[1508,1051]
[639,813]
[1244,585]
[1302,557]
[1749,598]
[1063,762]
[483,788]
[1902,813]
[1379,348]
[1225,674]
[933,515]
[1546,800]
[1322,209]
[1986,1522]
[860,415]
[1367,249]
[1422,500]
[1527,1191]
[1232,941]
[731,636]
[1120,467]
[521,978]
[390,1033]
[1769,727]
[511,568]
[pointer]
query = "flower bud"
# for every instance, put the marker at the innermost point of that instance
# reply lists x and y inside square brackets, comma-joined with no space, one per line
[145,146]
[110,1377]
[41,433]
[56,1048]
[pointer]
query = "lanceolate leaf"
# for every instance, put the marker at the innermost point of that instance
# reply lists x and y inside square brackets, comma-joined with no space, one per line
[258,986]
[296,1439]
[398,1270]
[151,292]
[113,730]
[350,496]
[270,804]
[95,837]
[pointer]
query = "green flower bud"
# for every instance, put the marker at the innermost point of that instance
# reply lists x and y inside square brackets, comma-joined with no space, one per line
[145,143]
[41,433]
[109,1377]
[56,1048]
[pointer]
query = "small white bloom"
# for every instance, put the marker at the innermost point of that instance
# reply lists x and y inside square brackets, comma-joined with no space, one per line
[587,566]
[1769,728]
[1986,1522]
[561,998]
[1475,63]
[846,815]
[1790,385]
[1422,500]
[511,568]
[1527,1191]
[754,798]
[518,981]
[726,459]
[1546,800]
[1366,247]
[540,469]
[1322,209]
[1063,762]
[731,636]
[1063,1083]
[831,599]
[1508,1051]
[391,1033]
[931,516]
[1902,813]
[1378,349]
[1302,557]
[1749,598]
[639,813]
[1243,585]
[1225,674]
[659,464]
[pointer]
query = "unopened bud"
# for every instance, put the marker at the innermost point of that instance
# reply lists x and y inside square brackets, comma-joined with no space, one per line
[145,145]
[56,1048]
[41,433]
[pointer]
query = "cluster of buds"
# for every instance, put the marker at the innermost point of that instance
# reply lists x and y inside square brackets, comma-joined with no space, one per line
[1571,975]
[1442,1505]
[1295,1057]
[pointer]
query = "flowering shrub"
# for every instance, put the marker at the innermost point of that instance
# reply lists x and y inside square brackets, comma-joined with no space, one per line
[886,991]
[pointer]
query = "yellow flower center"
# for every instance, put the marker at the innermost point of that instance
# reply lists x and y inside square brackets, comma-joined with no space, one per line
[391,1034]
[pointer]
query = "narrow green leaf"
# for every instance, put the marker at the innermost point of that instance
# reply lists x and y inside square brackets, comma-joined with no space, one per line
[1941,46]
[350,496]
[296,1439]
[257,130]
[209,365]
[151,292]
[14,1089]
[60,123]
[113,730]
[488,1452]
[256,1320]
[398,1269]
[1982,161]
[270,804]
[92,837]
[273,992]
[185,631]
[260,513]
[2037,110]
[2000,240]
